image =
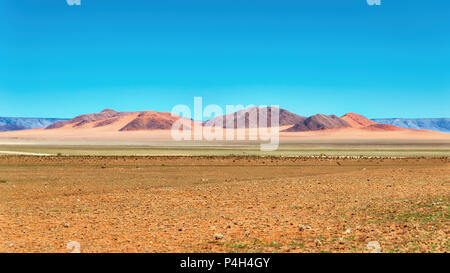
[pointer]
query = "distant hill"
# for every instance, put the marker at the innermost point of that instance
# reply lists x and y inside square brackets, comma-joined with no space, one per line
[121,121]
[14,124]
[357,121]
[298,123]
[110,125]
[285,118]
[87,118]
[151,120]
[319,122]
[434,124]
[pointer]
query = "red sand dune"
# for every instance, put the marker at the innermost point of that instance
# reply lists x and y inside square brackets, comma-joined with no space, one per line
[145,120]
[357,121]
[386,127]
[84,119]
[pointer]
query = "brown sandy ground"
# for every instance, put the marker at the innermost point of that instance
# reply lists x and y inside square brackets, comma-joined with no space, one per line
[223,204]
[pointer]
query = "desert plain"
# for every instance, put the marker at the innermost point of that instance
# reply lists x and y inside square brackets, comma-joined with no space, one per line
[118,182]
[235,202]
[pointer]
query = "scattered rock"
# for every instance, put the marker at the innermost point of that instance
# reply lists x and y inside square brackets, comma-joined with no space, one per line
[317,242]
[304,227]
[189,219]
[74,246]
[374,247]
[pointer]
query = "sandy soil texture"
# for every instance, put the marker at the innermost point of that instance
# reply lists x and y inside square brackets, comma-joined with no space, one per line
[110,133]
[224,204]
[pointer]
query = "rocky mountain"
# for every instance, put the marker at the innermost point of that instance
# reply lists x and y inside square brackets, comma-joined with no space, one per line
[434,124]
[319,122]
[151,121]
[243,116]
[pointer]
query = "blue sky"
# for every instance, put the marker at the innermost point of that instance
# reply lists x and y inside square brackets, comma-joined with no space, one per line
[317,56]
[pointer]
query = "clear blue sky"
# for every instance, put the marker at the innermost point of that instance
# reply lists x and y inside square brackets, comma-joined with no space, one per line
[316,56]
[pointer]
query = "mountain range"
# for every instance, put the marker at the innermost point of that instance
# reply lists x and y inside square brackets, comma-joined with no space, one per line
[246,118]
[110,120]
[13,124]
[434,124]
